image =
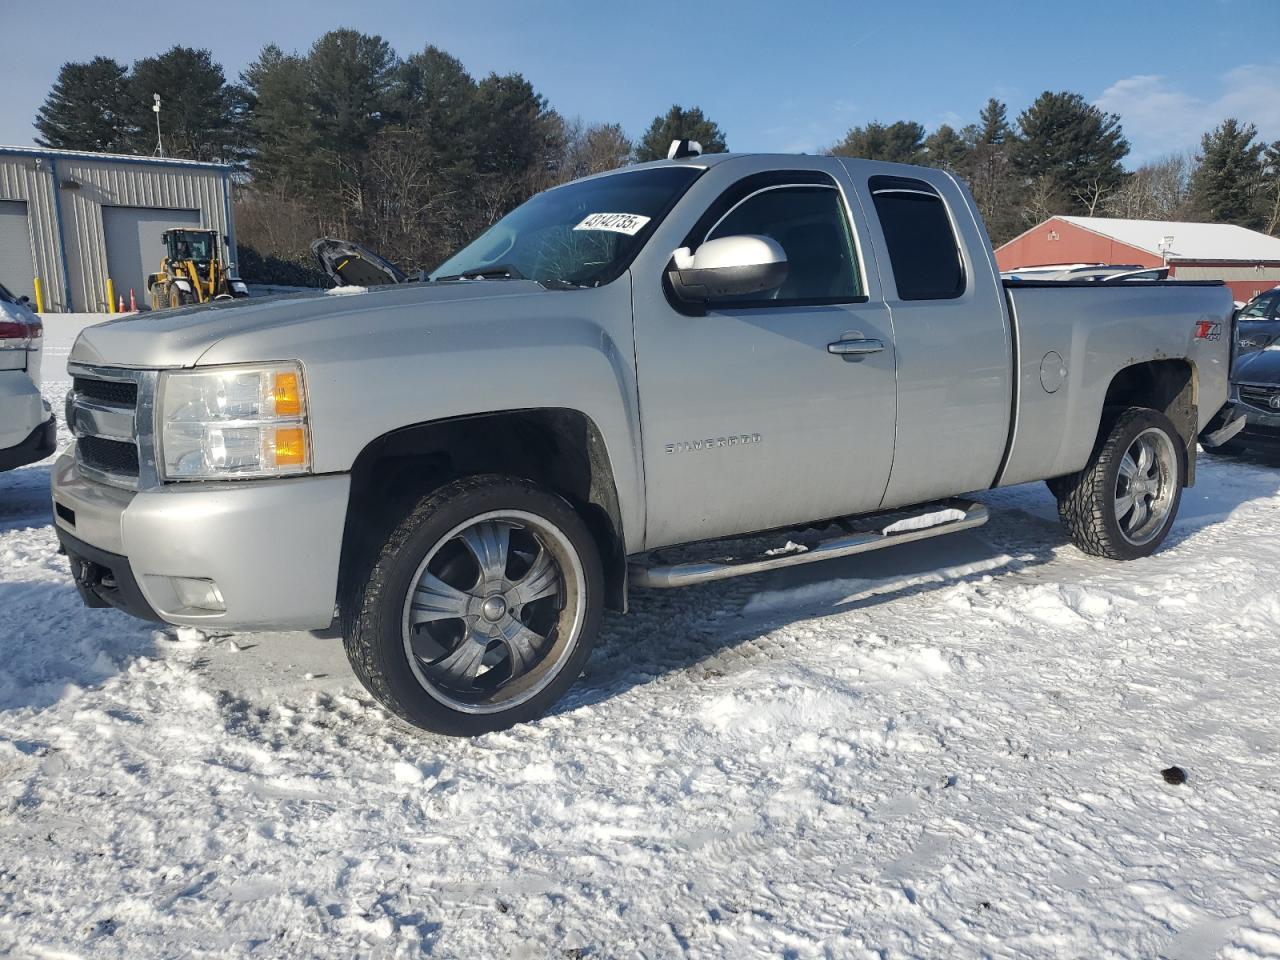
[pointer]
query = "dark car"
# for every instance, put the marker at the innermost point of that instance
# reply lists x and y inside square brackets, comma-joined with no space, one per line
[1255,387]
[1258,322]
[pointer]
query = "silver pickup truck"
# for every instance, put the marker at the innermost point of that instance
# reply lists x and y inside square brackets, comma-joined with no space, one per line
[630,379]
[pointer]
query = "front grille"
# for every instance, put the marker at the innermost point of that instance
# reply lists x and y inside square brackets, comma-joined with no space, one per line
[1259,397]
[117,457]
[117,393]
[102,411]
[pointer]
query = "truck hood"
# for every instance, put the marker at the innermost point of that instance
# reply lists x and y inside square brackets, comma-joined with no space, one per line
[1261,366]
[178,338]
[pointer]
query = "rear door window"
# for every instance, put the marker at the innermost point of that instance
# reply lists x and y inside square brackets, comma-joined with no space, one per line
[921,243]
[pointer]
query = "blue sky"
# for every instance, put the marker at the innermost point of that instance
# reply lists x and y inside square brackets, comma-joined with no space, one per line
[789,76]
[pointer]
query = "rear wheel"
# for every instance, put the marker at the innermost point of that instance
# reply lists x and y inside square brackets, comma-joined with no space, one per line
[1124,502]
[179,297]
[480,610]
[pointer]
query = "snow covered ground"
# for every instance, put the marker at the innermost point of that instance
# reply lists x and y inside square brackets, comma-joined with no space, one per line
[952,749]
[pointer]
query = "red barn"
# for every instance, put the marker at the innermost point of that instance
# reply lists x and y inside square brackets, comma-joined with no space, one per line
[1248,261]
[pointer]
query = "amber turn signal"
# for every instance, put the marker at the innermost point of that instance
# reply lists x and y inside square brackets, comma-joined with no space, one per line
[287,395]
[291,446]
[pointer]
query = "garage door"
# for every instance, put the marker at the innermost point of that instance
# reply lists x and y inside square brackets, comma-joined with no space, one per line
[16,270]
[134,248]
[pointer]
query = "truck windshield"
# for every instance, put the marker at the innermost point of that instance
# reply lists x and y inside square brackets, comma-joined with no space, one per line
[582,234]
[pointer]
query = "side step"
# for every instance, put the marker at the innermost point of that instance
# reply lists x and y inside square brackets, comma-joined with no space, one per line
[860,535]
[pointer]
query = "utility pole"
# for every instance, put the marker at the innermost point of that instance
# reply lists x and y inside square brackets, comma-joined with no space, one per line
[155,108]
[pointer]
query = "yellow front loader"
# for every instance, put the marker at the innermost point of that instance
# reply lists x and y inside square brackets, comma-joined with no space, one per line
[192,271]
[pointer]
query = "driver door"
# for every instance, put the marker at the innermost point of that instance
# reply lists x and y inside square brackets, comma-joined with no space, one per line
[750,420]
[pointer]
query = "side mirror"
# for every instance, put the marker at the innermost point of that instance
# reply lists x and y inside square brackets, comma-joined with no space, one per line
[25,300]
[726,267]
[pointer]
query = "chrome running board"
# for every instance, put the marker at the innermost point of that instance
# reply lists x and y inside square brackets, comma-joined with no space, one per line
[862,535]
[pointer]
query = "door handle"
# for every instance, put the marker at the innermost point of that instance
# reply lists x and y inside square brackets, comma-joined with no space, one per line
[855,348]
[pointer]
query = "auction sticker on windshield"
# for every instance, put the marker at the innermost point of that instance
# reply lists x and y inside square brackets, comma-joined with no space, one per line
[628,223]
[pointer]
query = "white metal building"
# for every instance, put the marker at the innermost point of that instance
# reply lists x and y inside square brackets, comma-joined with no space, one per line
[70,221]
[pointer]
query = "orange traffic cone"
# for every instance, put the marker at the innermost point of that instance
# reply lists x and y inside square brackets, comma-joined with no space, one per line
[133,303]
[120,309]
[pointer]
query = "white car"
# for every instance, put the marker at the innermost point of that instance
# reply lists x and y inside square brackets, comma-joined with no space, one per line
[27,429]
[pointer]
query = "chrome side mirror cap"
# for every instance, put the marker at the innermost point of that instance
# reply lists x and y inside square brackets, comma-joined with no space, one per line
[726,267]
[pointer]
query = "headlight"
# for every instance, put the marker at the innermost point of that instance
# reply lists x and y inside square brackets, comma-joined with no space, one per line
[233,422]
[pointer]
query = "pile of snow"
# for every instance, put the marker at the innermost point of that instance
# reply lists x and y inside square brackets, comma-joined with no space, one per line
[346,291]
[949,749]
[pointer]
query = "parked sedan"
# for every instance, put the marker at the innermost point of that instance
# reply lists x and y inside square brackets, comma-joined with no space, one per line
[1258,322]
[1255,388]
[27,431]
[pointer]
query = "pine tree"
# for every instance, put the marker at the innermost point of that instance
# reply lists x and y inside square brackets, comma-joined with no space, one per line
[680,124]
[898,142]
[202,116]
[989,171]
[517,140]
[1071,151]
[993,125]
[86,108]
[351,81]
[434,97]
[280,122]
[350,76]
[947,150]
[1227,183]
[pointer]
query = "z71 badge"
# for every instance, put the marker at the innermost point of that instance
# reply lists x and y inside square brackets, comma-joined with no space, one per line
[1210,330]
[713,443]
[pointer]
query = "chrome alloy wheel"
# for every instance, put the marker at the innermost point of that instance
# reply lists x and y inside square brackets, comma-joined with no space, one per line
[1146,486]
[495,609]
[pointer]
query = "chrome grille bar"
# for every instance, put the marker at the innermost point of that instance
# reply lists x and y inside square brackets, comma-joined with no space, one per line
[122,433]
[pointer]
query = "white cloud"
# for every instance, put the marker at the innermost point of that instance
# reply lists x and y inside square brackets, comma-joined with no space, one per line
[1160,118]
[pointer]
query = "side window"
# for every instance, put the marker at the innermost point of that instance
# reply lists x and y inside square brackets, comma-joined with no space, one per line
[1262,308]
[1258,309]
[808,221]
[922,245]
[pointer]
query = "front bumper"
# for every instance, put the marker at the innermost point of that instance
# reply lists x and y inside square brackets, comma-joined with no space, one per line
[1262,427]
[105,579]
[271,546]
[41,442]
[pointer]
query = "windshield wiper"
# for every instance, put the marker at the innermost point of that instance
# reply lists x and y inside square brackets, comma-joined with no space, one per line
[501,271]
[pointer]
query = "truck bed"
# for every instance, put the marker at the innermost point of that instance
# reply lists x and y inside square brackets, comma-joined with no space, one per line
[1091,331]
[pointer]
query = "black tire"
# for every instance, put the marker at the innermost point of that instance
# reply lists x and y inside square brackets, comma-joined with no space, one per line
[179,297]
[376,610]
[1087,501]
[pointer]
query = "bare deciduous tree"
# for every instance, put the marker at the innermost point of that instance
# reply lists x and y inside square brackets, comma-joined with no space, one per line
[1091,196]
[593,148]
[1155,191]
[1041,200]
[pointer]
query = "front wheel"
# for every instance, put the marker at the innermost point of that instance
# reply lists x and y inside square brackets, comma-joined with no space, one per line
[1123,503]
[480,610]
